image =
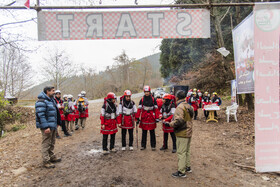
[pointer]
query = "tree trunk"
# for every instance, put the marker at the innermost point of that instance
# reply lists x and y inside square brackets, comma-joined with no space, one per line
[249,101]
[238,14]
[240,100]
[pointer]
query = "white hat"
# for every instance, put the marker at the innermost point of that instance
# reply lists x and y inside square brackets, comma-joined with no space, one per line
[70,96]
[65,96]
[79,95]
[57,91]
[83,92]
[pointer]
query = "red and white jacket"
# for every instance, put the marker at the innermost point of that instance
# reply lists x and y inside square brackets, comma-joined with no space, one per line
[194,102]
[59,103]
[205,101]
[127,111]
[148,113]
[109,117]
[167,112]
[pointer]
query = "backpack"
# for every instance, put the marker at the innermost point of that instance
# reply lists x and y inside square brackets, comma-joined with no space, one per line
[81,104]
[66,109]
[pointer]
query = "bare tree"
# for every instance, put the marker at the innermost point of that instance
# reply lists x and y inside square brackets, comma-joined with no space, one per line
[15,72]
[58,68]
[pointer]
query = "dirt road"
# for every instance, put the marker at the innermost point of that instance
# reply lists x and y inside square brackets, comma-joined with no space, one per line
[215,149]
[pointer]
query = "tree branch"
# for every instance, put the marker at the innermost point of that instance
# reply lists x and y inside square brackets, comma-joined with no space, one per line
[24,21]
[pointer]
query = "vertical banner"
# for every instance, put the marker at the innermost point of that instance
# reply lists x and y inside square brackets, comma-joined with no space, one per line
[243,44]
[233,91]
[267,115]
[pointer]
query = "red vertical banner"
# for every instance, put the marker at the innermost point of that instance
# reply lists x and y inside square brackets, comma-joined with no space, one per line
[267,114]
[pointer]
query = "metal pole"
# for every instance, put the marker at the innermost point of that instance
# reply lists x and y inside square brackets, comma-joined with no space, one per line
[204,5]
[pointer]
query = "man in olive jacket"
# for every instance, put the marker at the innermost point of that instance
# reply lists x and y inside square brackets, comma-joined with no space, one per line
[182,124]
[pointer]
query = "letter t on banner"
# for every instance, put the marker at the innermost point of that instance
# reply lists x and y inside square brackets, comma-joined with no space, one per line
[27,4]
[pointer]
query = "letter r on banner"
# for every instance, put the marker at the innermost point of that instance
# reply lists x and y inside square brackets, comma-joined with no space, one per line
[65,23]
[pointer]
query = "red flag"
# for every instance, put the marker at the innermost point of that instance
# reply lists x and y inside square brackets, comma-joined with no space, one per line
[27,4]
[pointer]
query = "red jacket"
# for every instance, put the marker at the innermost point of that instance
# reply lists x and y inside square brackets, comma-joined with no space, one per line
[59,103]
[159,103]
[148,113]
[193,101]
[110,118]
[167,112]
[127,112]
[205,101]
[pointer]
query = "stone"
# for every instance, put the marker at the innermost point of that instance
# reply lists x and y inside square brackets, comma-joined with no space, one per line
[19,171]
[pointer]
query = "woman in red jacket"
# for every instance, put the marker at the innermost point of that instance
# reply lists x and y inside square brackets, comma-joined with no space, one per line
[127,110]
[148,116]
[109,119]
[194,102]
[167,112]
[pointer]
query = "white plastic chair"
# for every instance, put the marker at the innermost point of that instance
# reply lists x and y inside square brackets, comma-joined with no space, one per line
[232,110]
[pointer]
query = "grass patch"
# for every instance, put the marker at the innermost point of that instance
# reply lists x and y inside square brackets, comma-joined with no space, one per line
[17,127]
[26,102]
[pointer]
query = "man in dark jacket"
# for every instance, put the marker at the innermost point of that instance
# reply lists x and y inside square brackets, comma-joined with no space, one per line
[47,119]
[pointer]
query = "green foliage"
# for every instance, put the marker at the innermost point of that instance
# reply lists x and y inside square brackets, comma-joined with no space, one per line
[17,127]
[4,114]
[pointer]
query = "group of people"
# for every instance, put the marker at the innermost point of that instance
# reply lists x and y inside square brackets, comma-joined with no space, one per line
[198,100]
[174,113]
[73,112]
[52,110]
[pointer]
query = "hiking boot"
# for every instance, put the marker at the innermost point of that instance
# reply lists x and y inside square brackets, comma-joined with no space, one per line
[67,134]
[58,137]
[153,148]
[142,148]
[113,150]
[123,148]
[178,174]
[48,165]
[131,148]
[174,150]
[55,160]
[77,128]
[163,148]
[188,169]
[105,152]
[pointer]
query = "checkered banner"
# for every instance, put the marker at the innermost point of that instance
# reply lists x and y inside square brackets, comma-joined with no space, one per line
[184,23]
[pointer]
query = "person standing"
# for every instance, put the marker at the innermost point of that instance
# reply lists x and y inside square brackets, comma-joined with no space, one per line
[127,110]
[182,124]
[109,119]
[205,101]
[167,112]
[82,104]
[70,117]
[77,113]
[217,101]
[47,119]
[59,103]
[193,101]
[148,116]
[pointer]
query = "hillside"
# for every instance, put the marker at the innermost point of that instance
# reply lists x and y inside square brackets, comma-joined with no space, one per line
[73,85]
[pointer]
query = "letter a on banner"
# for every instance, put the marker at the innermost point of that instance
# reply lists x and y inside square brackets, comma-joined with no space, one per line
[183,23]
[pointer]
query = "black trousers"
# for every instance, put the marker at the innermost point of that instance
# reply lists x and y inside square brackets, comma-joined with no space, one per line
[152,138]
[206,114]
[165,139]
[195,114]
[63,126]
[130,132]
[215,113]
[105,141]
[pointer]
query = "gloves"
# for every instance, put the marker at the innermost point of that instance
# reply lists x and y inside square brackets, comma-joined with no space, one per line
[157,120]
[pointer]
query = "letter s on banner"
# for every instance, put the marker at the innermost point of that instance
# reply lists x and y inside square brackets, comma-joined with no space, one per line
[186,21]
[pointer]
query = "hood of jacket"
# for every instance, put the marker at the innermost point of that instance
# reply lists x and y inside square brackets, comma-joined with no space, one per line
[44,96]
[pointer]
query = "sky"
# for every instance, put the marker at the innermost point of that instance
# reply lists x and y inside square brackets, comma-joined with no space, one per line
[95,54]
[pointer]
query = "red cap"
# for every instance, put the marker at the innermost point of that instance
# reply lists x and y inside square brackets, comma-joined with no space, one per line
[147,89]
[127,93]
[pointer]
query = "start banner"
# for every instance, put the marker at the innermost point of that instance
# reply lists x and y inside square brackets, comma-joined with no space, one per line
[267,106]
[183,23]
